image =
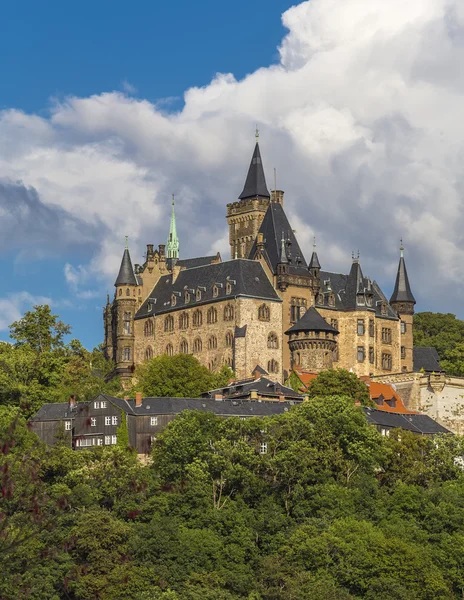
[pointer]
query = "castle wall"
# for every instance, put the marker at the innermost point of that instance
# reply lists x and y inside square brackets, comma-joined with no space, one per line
[244,219]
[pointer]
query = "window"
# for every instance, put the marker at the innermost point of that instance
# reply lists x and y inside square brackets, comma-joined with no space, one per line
[173,300]
[184,321]
[197,346]
[403,327]
[386,335]
[107,440]
[186,297]
[183,348]
[127,323]
[385,432]
[360,353]
[215,291]
[169,350]
[386,361]
[114,439]
[383,308]
[331,300]
[272,340]
[103,404]
[212,343]
[148,329]
[273,366]
[198,295]
[107,420]
[114,420]
[371,328]
[169,323]
[153,421]
[93,421]
[228,288]
[126,354]
[211,316]
[127,292]
[99,442]
[229,313]
[360,326]
[149,353]
[229,339]
[371,355]
[197,318]
[264,314]
[334,323]
[297,309]
[263,448]
[120,292]
[96,404]
[403,352]
[67,425]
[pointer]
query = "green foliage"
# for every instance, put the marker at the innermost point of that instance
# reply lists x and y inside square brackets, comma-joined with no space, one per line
[178,376]
[339,382]
[123,433]
[446,334]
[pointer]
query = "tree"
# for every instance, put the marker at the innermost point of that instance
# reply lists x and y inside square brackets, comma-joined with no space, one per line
[178,376]
[445,333]
[339,382]
[41,330]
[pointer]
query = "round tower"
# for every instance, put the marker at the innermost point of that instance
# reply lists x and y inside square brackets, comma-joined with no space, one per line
[312,342]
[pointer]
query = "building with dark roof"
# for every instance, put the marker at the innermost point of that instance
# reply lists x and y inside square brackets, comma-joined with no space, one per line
[261,306]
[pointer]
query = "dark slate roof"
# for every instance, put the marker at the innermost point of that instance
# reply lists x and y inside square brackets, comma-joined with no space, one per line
[263,386]
[259,369]
[311,321]
[402,291]
[200,261]
[240,332]
[255,184]
[426,358]
[54,412]
[275,223]
[314,262]
[247,278]
[417,423]
[126,272]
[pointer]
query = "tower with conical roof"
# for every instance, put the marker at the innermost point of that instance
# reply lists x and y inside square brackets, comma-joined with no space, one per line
[314,269]
[403,301]
[123,312]
[172,247]
[245,216]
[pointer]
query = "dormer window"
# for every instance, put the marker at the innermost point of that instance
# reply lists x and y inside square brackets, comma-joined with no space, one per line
[228,288]
[383,308]
[198,295]
[173,300]
[186,297]
[331,300]
[215,291]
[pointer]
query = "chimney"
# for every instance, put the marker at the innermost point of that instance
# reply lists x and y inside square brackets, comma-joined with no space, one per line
[138,399]
[281,398]
[72,402]
[218,397]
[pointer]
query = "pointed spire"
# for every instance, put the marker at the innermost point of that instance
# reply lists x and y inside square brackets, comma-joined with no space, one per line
[314,262]
[255,184]
[172,247]
[283,251]
[126,272]
[402,291]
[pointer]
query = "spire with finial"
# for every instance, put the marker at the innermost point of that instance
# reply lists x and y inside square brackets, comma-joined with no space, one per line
[314,263]
[126,274]
[172,247]
[255,183]
[283,251]
[402,291]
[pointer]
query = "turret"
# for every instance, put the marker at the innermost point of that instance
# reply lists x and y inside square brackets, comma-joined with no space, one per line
[172,246]
[403,301]
[314,269]
[312,342]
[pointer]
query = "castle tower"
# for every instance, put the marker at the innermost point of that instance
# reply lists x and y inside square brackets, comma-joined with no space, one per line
[107,323]
[172,246]
[123,312]
[402,301]
[312,342]
[245,216]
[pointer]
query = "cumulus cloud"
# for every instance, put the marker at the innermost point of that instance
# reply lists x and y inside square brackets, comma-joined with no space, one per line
[361,118]
[13,306]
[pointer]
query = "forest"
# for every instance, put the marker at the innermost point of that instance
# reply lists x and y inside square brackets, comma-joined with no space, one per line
[310,504]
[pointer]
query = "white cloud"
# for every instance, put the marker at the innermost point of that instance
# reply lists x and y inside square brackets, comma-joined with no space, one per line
[362,118]
[12,307]
[128,87]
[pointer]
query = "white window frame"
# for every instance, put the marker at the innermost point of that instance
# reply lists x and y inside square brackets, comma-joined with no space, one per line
[103,404]
[107,440]
[114,420]
[93,421]
[99,442]
[263,448]
[107,420]
[67,426]
[153,421]
[96,404]
[114,439]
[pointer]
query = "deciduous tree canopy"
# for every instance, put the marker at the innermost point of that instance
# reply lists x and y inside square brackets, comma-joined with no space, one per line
[446,333]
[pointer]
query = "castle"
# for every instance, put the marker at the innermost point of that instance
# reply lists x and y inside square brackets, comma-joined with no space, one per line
[265,306]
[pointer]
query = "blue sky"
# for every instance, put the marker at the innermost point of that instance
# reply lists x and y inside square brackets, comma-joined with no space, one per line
[107,108]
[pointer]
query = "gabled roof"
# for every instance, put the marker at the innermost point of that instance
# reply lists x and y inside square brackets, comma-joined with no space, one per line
[200,261]
[312,321]
[314,262]
[402,291]
[246,277]
[417,423]
[263,386]
[275,223]
[255,184]
[126,274]
[427,359]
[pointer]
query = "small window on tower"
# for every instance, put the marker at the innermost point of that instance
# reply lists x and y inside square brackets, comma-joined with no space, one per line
[403,327]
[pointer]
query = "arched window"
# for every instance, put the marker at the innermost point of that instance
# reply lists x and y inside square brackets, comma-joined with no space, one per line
[229,339]
[140,292]
[197,318]
[169,350]
[148,353]
[212,343]
[148,329]
[273,366]
[264,313]
[272,340]
[120,291]
[215,291]
[169,323]
[126,354]
[228,312]
[186,297]
[173,300]
[127,323]
[229,362]
[197,345]
[198,295]
[228,288]
[183,348]
[184,320]
[127,292]
[211,316]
